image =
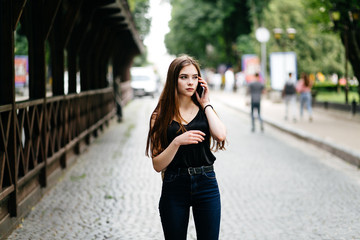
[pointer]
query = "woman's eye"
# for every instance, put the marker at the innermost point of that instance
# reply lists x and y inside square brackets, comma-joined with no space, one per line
[183,77]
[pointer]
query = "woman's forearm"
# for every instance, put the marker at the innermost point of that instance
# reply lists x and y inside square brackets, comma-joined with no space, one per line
[217,128]
[162,160]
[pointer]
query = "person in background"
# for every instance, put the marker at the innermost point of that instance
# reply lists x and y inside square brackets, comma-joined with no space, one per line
[182,126]
[229,80]
[117,94]
[304,88]
[255,89]
[289,95]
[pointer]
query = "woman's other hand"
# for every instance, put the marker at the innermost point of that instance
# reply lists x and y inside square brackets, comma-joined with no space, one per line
[190,137]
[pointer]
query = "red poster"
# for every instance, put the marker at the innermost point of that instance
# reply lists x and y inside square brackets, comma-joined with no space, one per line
[250,66]
[21,70]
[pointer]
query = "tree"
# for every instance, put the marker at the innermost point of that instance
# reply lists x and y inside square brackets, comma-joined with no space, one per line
[342,16]
[316,50]
[139,10]
[207,29]
[193,25]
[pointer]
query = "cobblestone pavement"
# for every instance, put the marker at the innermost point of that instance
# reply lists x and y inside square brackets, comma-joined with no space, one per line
[273,186]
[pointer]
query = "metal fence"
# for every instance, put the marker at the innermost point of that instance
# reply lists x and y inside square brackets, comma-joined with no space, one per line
[38,139]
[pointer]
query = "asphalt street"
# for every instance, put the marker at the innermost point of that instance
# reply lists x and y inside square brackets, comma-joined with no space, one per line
[273,186]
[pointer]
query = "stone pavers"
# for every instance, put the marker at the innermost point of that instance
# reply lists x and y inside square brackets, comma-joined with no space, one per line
[111,192]
[273,186]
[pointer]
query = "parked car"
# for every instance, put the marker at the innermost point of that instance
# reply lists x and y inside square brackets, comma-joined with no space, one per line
[144,81]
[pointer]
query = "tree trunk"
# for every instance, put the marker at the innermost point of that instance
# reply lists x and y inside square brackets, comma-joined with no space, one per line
[354,53]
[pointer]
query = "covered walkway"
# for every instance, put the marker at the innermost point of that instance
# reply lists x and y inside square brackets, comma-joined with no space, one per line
[41,136]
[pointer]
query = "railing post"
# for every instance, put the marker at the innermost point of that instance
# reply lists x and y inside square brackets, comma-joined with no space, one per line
[35,29]
[7,93]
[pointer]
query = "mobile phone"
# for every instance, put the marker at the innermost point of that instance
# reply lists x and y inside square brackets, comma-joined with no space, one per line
[199,89]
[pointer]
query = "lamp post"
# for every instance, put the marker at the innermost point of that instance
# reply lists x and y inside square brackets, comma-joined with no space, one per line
[282,41]
[277,35]
[263,35]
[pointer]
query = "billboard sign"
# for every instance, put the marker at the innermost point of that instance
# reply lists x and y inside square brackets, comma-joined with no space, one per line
[281,64]
[250,64]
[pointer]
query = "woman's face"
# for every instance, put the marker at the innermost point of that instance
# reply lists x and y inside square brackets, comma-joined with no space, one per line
[187,80]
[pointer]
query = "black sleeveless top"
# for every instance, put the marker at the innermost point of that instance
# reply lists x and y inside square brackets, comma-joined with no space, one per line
[193,155]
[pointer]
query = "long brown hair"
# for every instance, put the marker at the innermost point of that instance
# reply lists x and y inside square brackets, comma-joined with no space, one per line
[167,108]
[305,77]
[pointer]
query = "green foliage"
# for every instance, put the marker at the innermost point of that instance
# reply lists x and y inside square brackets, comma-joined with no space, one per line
[321,11]
[207,30]
[221,31]
[317,51]
[21,43]
[336,97]
[139,10]
[331,87]
[257,7]
[246,44]
[193,24]
[345,24]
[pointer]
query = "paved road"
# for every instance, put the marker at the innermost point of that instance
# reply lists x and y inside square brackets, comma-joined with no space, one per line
[331,126]
[273,186]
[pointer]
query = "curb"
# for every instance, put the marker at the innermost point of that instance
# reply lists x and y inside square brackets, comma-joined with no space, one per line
[342,152]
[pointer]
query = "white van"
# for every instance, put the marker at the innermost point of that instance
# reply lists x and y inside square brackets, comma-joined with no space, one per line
[144,81]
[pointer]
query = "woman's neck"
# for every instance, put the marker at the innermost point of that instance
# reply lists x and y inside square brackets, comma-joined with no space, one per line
[187,110]
[185,102]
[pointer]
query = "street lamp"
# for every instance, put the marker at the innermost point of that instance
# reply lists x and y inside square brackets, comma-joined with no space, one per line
[285,60]
[263,35]
[278,32]
[291,33]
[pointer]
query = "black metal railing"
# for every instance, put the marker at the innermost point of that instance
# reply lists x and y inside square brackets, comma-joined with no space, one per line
[36,139]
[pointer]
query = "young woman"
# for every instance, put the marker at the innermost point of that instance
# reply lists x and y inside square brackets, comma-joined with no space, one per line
[304,88]
[182,127]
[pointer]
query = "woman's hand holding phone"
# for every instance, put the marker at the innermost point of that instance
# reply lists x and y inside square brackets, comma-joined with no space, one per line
[199,90]
[204,97]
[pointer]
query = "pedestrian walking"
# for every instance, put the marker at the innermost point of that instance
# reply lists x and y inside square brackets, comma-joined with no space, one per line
[255,89]
[118,100]
[304,88]
[289,95]
[182,126]
[229,80]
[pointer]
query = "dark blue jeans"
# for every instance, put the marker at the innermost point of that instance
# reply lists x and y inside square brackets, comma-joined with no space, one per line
[179,193]
[255,105]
